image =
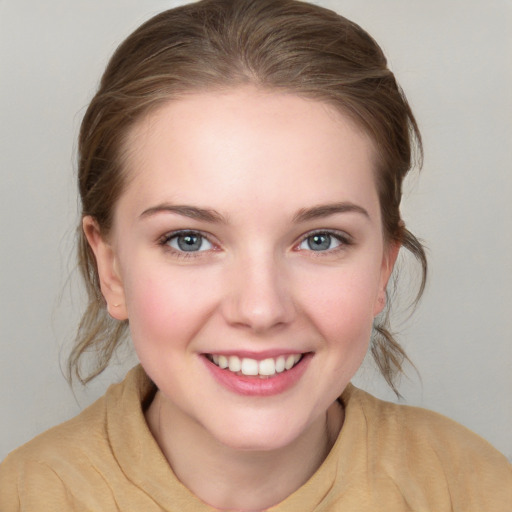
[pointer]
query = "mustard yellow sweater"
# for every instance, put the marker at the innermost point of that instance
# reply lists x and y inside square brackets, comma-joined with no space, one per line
[387,458]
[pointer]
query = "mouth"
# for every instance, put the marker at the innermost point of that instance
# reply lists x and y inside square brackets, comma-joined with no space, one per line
[262,369]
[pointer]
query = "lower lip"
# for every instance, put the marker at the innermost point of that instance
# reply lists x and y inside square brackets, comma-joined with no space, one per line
[255,386]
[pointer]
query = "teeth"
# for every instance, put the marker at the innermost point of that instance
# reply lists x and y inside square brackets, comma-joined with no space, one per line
[290,361]
[235,364]
[267,367]
[252,367]
[280,364]
[249,367]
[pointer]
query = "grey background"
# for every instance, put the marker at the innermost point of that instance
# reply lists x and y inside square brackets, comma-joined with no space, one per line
[453,59]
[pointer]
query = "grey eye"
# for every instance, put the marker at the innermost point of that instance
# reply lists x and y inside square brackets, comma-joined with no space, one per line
[189,242]
[320,242]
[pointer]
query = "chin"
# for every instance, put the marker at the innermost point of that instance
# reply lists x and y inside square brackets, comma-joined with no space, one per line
[260,435]
[256,443]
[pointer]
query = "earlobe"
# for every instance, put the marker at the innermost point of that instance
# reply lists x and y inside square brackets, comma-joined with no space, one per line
[388,263]
[110,279]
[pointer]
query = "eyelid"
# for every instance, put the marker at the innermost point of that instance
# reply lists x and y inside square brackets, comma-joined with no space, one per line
[343,237]
[164,242]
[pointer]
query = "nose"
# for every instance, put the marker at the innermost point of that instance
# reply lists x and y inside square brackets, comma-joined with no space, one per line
[259,295]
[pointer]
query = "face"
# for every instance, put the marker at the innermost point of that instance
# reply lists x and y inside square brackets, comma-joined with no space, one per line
[247,254]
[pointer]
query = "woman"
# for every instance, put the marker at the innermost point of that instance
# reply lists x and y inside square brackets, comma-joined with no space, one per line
[240,173]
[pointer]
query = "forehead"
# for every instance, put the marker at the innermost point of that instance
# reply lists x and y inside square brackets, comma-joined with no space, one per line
[249,143]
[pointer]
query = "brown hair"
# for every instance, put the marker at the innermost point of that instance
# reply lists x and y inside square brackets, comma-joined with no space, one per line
[274,44]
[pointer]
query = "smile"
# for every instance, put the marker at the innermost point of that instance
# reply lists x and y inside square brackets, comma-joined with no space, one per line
[252,367]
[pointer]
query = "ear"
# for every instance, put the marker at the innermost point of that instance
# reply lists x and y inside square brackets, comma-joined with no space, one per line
[108,270]
[389,257]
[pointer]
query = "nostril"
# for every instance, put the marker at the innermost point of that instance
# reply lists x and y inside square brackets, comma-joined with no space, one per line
[259,313]
[257,296]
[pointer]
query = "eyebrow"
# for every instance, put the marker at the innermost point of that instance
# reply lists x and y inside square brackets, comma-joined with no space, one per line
[213,216]
[192,212]
[325,210]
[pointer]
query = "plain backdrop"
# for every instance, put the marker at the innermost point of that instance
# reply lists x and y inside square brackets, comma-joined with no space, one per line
[454,60]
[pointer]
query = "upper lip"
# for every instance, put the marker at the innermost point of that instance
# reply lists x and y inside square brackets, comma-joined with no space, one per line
[258,356]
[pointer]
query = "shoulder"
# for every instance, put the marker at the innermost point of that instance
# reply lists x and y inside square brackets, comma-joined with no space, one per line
[422,430]
[66,440]
[420,449]
[75,454]
[29,472]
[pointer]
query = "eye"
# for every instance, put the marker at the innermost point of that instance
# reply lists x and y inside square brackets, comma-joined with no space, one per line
[322,241]
[188,241]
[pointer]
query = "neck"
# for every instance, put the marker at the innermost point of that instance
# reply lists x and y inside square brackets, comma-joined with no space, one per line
[230,479]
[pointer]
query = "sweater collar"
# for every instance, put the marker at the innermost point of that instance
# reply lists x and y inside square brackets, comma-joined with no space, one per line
[142,461]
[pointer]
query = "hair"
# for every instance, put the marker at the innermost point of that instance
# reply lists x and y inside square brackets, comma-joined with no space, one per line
[277,45]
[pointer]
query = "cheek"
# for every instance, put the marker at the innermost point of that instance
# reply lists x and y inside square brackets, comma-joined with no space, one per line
[166,309]
[341,304]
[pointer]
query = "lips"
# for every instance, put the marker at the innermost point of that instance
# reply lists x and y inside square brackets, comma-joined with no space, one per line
[247,366]
[260,375]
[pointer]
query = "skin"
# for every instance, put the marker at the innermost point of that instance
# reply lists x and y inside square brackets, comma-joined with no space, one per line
[257,160]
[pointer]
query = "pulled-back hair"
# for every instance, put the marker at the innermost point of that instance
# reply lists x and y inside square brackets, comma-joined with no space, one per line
[277,45]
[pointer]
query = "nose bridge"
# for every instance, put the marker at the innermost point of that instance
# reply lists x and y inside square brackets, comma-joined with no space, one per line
[260,295]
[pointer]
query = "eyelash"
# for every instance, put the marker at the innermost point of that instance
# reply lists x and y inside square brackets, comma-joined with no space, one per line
[164,242]
[341,237]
